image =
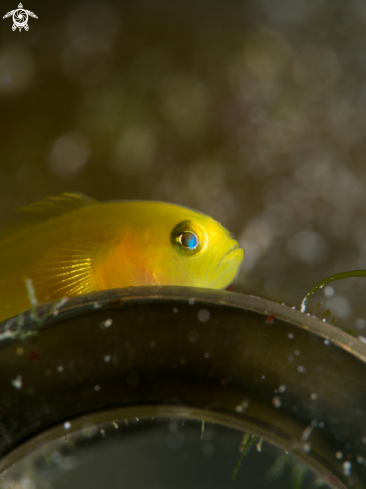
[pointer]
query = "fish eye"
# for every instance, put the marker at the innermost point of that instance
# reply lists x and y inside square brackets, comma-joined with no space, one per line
[188,238]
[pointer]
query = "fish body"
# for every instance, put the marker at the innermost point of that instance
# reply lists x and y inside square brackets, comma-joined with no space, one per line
[71,245]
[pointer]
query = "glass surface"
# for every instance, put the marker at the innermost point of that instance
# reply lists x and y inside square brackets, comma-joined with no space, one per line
[158,454]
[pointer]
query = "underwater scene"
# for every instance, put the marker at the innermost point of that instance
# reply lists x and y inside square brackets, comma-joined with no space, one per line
[190,144]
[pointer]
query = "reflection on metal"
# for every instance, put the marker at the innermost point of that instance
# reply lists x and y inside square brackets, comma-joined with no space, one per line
[158,452]
[177,351]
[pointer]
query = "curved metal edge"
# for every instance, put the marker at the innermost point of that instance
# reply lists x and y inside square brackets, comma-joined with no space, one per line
[166,411]
[130,295]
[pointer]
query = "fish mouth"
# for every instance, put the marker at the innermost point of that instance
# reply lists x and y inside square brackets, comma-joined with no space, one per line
[229,255]
[224,272]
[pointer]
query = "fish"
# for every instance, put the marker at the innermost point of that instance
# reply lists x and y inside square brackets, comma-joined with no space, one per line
[72,244]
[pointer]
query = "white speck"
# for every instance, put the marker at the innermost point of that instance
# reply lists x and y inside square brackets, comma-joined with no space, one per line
[321,424]
[107,358]
[297,353]
[191,301]
[293,307]
[324,320]
[206,355]
[106,324]
[282,388]
[291,336]
[153,344]
[102,432]
[241,407]
[307,447]
[97,388]
[97,305]
[203,315]
[361,338]
[313,396]
[175,310]
[307,431]
[17,382]
[67,425]
[347,467]
[308,314]
[301,369]
[339,455]
[60,368]
[326,342]
[360,323]
[360,459]
[263,377]
[114,423]
[55,312]
[328,291]
[276,401]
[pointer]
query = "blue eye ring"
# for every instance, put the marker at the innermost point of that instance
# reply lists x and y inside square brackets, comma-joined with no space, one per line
[189,240]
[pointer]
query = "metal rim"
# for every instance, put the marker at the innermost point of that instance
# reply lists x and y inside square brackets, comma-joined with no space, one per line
[251,312]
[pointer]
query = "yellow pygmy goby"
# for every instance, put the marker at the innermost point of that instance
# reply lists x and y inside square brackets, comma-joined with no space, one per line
[72,244]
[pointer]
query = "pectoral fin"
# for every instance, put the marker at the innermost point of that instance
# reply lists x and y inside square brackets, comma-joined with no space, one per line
[68,270]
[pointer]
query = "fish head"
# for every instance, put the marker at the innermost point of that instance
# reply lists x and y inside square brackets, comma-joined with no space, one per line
[196,250]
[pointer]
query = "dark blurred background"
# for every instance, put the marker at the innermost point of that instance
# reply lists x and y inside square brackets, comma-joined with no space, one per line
[251,111]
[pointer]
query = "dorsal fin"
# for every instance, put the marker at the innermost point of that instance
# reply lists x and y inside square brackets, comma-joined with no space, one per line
[51,207]
[45,209]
